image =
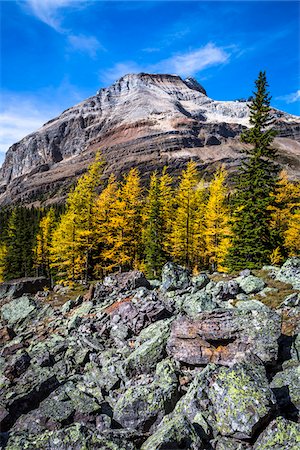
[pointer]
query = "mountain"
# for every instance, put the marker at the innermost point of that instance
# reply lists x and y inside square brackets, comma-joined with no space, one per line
[143,120]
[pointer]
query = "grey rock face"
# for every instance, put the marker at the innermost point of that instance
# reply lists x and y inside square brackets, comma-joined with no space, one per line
[163,118]
[174,277]
[251,284]
[290,272]
[225,337]
[17,309]
[280,434]
[19,287]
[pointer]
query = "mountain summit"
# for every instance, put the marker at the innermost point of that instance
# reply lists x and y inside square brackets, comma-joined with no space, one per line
[143,120]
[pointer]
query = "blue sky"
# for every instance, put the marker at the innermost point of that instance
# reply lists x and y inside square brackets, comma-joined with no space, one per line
[55,53]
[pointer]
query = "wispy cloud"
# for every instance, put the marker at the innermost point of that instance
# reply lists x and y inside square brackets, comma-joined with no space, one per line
[183,64]
[85,44]
[52,13]
[49,11]
[290,98]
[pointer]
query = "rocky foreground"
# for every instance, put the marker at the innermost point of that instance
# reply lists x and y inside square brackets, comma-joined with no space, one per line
[204,362]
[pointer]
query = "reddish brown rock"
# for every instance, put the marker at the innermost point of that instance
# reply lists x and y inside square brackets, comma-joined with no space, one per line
[225,337]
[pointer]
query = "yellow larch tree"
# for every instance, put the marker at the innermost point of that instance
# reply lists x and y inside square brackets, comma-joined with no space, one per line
[284,223]
[44,242]
[77,226]
[217,228]
[3,253]
[186,234]
[124,233]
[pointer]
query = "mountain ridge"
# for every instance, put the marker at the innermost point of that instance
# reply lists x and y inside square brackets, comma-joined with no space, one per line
[147,120]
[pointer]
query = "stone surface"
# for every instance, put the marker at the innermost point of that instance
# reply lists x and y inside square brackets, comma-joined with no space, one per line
[18,309]
[241,399]
[21,286]
[174,277]
[251,284]
[280,434]
[290,272]
[225,337]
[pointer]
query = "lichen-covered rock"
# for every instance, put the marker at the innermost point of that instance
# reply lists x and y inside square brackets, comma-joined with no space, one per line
[17,288]
[174,277]
[18,309]
[127,281]
[252,304]
[225,337]
[251,284]
[241,399]
[290,272]
[286,386]
[281,434]
[174,432]
[200,281]
[225,443]
[74,437]
[151,345]
[193,304]
[143,405]
[225,290]
[291,301]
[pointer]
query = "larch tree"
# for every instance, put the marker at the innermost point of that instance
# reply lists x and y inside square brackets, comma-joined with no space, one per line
[78,221]
[252,241]
[286,201]
[292,234]
[184,236]
[43,243]
[217,218]
[124,234]
[3,254]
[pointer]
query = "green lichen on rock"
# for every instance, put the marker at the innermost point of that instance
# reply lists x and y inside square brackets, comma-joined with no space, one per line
[287,384]
[250,284]
[174,432]
[241,399]
[193,304]
[281,434]
[18,309]
[153,341]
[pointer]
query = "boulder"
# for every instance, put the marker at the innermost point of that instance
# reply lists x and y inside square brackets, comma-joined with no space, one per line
[150,347]
[250,284]
[291,301]
[200,281]
[143,405]
[225,443]
[225,337]
[174,277]
[290,272]
[286,388]
[174,432]
[252,304]
[280,434]
[241,399]
[127,281]
[18,309]
[193,304]
[17,288]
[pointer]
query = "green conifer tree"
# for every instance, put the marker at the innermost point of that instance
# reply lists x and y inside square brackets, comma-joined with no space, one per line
[252,244]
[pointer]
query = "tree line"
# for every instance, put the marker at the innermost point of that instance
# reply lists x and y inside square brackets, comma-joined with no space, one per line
[198,224]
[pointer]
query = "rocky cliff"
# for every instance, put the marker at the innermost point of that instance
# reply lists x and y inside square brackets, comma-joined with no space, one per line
[144,120]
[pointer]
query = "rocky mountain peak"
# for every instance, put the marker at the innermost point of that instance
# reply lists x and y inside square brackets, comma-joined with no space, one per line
[147,120]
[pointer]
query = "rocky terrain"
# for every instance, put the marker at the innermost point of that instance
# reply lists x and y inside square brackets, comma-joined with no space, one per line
[144,120]
[203,362]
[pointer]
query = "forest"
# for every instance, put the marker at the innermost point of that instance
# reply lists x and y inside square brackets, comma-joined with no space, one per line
[116,225]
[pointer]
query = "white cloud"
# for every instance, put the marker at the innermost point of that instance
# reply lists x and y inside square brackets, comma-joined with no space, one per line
[86,44]
[183,64]
[192,62]
[48,11]
[290,98]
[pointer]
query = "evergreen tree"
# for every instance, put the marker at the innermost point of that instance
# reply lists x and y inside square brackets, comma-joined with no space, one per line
[252,241]
[155,226]
[189,208]
[3,255]
[217,229]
